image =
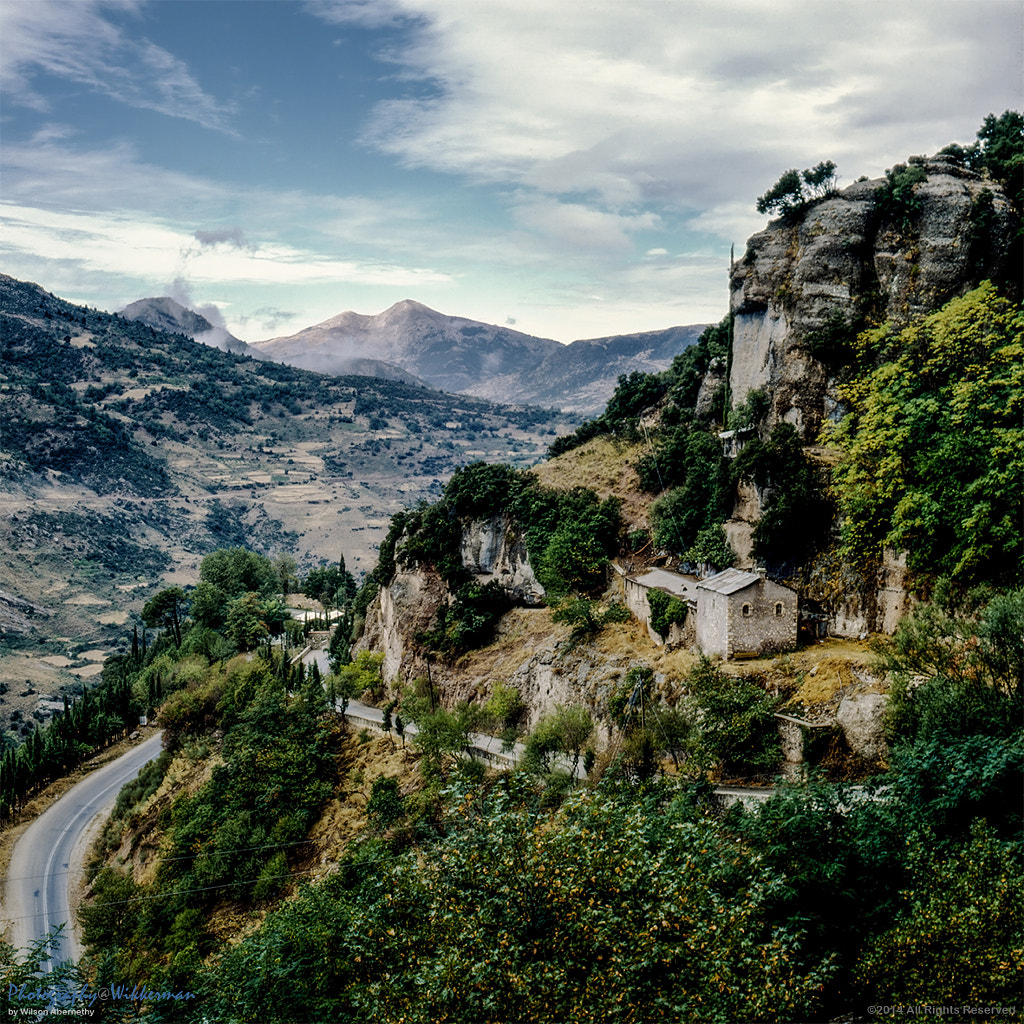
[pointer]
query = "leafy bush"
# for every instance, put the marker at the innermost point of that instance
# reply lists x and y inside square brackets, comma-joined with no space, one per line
[666,609]
[469,621]
[700,500]
[738,729]
[711,548]
[482,489]
[505,706]
[977,911]
[384,807]
[896,200]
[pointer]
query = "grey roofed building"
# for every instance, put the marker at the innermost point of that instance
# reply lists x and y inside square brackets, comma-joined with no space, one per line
[636,588]
[744,613]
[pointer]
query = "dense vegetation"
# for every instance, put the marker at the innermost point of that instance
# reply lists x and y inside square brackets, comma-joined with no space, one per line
[103,714]
[933,445]
[629,898]
[569,536]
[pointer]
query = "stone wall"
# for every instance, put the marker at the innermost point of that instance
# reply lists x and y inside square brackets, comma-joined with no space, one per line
[713,623]
[724,629]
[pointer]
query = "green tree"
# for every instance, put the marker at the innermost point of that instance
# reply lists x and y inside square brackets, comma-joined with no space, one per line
[285,569]
[795,514]
[956,674]
[385,805]
[738,729]
[666,609]
[166,610]
[363,673]
[564,732]
[331,585]
[932,449]
[245,621]
[32,985]
[976,911]
[795,189]
[1001,152]
[679,515]
[710,547]
[785,195]
[237,571]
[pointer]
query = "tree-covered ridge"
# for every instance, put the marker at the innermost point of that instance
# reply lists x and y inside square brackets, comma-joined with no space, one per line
[932,448]
[570,536]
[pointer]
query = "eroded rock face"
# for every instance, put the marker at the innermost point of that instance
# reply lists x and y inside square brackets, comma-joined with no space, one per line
[492,549]
[845,256]
[408,605]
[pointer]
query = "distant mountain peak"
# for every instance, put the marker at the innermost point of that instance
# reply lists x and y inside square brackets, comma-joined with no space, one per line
[167,314]
[466,356]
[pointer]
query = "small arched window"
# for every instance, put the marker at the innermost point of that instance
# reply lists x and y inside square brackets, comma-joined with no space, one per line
[778,608]
[746,611]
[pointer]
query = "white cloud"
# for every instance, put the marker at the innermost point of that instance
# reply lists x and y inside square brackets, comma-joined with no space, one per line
[77,40]
[128,246]
[575,226]
[689,104]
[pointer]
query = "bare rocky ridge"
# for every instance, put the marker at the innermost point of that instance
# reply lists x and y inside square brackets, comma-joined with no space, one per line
[843,257]
[468,357]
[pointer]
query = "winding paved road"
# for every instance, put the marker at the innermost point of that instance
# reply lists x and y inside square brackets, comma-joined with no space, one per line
[36,888]
[37,885]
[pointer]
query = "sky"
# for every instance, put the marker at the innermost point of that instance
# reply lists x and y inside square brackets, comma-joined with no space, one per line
[569,168]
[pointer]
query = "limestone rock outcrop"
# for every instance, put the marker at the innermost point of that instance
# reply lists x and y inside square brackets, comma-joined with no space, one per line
[493,549]
[847,257]
[408,605]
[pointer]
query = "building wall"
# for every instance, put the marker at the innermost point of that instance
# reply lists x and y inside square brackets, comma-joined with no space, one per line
[724,629]
[771,623]
[713,623]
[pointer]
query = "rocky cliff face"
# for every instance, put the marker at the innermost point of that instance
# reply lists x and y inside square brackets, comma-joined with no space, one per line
[492,549]
[852,258]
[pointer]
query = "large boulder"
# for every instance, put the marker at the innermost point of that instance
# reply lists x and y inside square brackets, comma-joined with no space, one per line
[861,718]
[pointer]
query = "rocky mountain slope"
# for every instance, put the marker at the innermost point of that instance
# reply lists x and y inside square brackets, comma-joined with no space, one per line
[127,453]
[469,357]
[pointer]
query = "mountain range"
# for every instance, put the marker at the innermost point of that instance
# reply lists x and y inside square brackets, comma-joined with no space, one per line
[413,343]
[128,452]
